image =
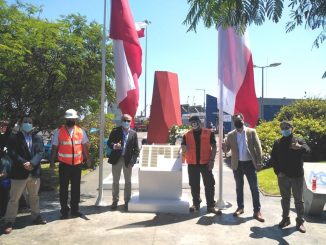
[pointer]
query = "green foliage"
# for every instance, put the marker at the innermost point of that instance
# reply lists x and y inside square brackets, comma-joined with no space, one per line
[176,132]
[49,67]
[308,117]
[93,121]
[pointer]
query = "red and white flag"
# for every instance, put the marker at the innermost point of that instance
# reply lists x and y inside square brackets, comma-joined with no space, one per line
[140,28]
[235,72]
[127,56]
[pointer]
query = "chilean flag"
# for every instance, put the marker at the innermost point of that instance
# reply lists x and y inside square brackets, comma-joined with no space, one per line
[235,72]
[127,56]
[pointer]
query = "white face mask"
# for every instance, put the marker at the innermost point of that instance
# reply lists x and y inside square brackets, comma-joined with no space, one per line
[126,124]
[195,125]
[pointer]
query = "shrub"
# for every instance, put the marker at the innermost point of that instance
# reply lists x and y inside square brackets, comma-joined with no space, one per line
[93,121]
[176,132]
[308,117]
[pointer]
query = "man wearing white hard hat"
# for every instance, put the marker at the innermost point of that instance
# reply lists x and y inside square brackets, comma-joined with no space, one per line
[70,144]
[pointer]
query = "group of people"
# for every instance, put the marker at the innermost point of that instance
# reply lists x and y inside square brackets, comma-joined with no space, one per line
[70,146]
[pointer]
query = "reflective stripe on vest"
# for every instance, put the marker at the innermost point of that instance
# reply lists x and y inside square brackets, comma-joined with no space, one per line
[70,150]
[205,147]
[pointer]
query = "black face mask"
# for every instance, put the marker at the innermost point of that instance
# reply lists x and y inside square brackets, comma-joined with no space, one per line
[70,123]
[238,124]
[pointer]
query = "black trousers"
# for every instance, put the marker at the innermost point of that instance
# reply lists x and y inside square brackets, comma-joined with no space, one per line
[194,172]
[4,198]
[72,174]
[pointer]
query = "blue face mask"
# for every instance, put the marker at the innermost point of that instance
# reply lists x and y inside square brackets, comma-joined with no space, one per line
[286,132]
[27,127]
[125,124]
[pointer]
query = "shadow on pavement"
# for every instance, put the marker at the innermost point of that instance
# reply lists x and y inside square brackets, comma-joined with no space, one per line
[224,219]
[272,232]
[160,219]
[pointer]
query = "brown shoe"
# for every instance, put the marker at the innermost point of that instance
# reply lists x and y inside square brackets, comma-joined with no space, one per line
[238,212]
[39,221]
[301,228]
[258,216]
[8,228]
[214,210]
[194,208]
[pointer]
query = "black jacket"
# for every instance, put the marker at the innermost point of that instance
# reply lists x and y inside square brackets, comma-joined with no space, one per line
[286,160]
[19,153]
[132,148]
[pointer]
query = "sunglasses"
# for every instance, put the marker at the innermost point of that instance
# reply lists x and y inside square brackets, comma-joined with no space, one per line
[125,120]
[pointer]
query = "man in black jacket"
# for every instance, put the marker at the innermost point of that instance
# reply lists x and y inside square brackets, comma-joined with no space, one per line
[287,160]
[26,151]
[124,144]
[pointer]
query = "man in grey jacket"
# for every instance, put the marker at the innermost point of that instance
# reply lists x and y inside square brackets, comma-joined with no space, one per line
[246,158]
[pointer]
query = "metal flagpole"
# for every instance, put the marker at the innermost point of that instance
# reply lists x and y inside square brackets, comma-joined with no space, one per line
[220,202]
[100,201]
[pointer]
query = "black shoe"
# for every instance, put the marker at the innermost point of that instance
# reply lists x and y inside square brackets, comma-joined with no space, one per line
[64,216]
[76,214]
[284,222]
[39,220]
[125,206]
[194,208]
[114,206]
[214,210]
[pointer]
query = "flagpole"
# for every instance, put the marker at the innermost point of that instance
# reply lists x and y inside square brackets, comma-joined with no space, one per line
[100,201]
[220,202]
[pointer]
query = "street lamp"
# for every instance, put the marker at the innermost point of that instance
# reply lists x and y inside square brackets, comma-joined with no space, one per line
[147,23]
[204,95]
[262,86]
[200,89]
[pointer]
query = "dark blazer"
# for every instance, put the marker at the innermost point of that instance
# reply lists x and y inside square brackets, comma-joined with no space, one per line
[132,148]
[19,153]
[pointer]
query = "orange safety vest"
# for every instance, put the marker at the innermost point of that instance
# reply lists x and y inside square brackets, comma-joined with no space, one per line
[205,147]
[70,150]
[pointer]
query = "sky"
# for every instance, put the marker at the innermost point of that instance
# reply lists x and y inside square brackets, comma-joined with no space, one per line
[193,56]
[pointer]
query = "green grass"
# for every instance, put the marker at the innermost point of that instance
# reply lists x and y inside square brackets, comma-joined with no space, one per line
[267,182]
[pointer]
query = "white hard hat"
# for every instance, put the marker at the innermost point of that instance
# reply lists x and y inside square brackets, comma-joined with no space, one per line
[71,114]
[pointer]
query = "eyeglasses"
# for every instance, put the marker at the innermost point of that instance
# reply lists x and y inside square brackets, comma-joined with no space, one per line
[125,120]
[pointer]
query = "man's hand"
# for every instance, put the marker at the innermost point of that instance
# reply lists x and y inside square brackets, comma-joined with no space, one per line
[130,165]
[295,145]
[210,165]
[259,167]
[280,175]
[117,146]
[89,163]
[28,166]
[224,147]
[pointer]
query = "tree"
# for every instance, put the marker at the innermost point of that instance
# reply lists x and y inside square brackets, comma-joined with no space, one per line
[308,117]
[241,13]
[49,67]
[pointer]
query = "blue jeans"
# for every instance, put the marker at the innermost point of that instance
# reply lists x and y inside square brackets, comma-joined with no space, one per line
[247,168]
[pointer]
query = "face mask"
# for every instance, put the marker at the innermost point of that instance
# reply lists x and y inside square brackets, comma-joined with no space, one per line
[27,127]
[126,125]
[238,124]
[195,125]
[286,132]
[70,123]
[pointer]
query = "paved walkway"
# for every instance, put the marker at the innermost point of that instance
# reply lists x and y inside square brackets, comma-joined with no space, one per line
[100,225]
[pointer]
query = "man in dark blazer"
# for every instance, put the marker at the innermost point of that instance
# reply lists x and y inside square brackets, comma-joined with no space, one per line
[124,144]
[26,151]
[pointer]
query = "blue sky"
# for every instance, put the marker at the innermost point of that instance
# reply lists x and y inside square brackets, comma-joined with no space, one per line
[193,56]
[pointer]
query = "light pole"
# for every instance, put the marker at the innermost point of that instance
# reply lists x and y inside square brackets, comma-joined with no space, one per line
[262,86]
[147,23]
[200,89]
[204,95]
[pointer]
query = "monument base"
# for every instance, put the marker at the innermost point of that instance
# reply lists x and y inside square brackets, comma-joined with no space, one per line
[150,205]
